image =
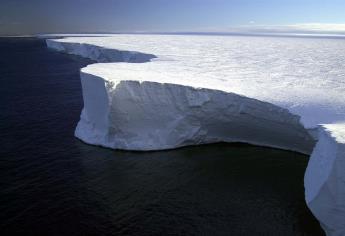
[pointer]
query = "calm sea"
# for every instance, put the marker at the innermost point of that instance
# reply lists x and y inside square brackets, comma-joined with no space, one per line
[53,184]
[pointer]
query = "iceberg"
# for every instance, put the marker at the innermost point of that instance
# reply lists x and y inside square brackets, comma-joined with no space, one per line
[155,92]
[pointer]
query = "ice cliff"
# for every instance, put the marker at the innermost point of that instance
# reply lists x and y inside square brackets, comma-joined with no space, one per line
[136,112]
[325,179]
[162,92]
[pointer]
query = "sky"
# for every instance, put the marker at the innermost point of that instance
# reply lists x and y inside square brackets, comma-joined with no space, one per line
[20,17]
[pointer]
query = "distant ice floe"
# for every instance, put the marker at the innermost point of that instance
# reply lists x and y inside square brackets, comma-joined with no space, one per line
[158,92]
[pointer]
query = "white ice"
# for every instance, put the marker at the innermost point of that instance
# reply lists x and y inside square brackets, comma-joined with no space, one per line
[302,75]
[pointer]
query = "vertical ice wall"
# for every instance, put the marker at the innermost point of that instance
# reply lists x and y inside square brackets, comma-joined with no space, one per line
[146,115]
[325,179]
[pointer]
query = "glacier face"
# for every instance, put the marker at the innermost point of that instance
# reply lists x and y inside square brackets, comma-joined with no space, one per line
[124,113]
[202,89]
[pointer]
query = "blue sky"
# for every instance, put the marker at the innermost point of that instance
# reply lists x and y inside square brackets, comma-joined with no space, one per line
[74,16]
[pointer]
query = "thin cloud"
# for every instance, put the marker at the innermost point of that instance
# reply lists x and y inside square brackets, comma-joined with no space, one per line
[320,27]
[302,28]
[294,28]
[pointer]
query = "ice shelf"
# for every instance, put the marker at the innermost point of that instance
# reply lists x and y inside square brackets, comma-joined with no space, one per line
[155,92]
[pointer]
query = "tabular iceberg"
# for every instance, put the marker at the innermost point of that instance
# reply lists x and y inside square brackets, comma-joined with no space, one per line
[238,90]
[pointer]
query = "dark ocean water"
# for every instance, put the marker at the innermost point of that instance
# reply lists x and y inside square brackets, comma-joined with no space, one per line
[53,184]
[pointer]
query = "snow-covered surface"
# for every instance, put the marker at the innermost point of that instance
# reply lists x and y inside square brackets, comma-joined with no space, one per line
[305,76]
[185,90]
